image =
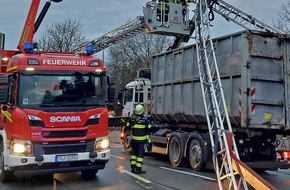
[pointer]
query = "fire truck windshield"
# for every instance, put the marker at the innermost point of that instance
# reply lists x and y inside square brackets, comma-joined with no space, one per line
[61,90]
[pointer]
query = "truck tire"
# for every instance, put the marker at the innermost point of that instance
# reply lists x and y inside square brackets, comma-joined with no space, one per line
[196,155]
[127,143]
[5,176]
[89,174]
[176,151]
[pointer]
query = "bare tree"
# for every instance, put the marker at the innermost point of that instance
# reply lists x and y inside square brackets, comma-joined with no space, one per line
[127,57]
[62,36]
[283,21]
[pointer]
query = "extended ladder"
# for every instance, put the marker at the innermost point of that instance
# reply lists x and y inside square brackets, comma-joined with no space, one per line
[241,18]
[231,172]
[230,13]
[215,107]
[117,35]
[137,26]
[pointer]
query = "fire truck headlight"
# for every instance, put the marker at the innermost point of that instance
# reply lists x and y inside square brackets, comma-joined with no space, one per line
[21,148]
[99,70]
[102,144]
[5,59]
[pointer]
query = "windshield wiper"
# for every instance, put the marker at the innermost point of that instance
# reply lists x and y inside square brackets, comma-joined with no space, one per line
[81,104]
[48,105]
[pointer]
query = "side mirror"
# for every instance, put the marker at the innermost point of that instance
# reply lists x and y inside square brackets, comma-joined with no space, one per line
[4,89]
[4,94]
[111,81]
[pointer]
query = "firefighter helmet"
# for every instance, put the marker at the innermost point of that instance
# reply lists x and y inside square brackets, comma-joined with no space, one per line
[139,109]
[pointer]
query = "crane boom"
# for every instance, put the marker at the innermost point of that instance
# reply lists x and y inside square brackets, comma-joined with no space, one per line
[28,29]
[31,26]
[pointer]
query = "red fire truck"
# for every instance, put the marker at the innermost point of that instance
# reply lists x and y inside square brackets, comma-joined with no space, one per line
[53,116]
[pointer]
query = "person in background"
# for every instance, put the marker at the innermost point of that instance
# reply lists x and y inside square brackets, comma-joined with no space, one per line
[140,126]
[111,111]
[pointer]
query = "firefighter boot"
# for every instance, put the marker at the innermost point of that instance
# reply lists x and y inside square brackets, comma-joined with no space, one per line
[140,171]
[133,168]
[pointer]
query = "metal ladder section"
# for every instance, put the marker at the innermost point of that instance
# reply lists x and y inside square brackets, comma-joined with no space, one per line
[231,172]
[214,102]
[137,26]
[117,35]
[241,18]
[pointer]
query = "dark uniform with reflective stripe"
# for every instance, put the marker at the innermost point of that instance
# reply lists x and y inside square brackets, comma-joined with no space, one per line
[139,126]
[184,5]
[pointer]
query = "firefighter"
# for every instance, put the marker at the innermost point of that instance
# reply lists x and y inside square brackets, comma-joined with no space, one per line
[140,126]
[184,4]
[162,11]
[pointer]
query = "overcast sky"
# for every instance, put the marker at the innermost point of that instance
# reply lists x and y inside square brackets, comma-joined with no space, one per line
[101,16]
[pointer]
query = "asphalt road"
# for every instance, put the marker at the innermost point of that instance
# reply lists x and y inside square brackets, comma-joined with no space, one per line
[117,176]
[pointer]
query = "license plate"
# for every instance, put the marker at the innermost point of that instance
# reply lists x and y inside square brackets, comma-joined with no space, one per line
[65,158]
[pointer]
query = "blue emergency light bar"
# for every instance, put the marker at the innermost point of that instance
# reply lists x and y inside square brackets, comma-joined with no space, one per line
[28,47]
[90,49]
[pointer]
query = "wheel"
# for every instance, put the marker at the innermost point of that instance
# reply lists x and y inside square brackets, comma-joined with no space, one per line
[127,143]
[196,155]
[5,176]
[89,174]
[176,151]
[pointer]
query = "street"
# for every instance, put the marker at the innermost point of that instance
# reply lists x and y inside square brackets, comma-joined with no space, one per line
[117,176]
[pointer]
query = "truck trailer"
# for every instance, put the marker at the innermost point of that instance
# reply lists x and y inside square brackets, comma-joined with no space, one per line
[254,70]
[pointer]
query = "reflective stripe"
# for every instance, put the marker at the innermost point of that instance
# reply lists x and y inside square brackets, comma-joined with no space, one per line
[148,139]
[133,157]
[149,126]
[7,115]
[140,159]
[161,6]
[138,126]
[139,138]
[133,162]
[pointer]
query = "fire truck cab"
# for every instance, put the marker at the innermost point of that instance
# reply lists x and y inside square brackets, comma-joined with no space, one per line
[53,114]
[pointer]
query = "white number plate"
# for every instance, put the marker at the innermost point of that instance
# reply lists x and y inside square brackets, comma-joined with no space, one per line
[65,158]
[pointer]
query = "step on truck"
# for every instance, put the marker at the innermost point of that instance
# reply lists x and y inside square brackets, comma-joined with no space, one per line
[254,69]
